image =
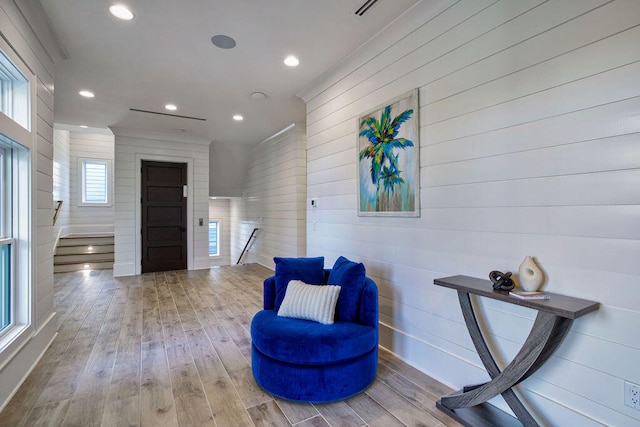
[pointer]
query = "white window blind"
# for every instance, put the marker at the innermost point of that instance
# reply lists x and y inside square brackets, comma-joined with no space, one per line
[95,181]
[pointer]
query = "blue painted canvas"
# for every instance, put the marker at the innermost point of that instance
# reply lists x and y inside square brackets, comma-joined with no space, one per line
[389,160]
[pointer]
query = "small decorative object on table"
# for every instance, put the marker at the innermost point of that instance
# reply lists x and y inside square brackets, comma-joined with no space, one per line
[529,295]
[530,275]
[501,281]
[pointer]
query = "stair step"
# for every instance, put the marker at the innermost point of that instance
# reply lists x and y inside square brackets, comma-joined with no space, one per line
[82,258]
[68,268]
[84,249]
[85,241]
[84,252]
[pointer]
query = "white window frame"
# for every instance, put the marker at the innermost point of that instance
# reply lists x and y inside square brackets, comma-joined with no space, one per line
[15,91]
[219,230]
[24,200]
[81,183]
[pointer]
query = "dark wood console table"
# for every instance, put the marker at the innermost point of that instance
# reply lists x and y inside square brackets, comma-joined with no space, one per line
[553,321]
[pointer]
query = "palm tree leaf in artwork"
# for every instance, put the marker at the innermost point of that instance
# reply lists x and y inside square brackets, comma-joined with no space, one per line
[399,120]
[368,151]
[376,165]
[384,122]
[372,132]
[402,143]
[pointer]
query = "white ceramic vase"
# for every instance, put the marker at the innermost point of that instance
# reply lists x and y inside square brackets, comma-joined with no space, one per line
[530,275]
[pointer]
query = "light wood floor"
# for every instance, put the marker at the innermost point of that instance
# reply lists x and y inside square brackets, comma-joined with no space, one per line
[174,348]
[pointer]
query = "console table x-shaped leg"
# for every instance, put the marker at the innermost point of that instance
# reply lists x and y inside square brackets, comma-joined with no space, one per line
[546,334]
[552,324]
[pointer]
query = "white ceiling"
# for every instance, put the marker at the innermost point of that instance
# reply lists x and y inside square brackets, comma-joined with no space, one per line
[165,55]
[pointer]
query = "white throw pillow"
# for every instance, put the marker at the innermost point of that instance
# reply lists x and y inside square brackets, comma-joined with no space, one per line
[310,302]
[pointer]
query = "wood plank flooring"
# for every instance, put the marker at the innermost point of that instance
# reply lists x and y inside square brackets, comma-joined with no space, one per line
[174,349]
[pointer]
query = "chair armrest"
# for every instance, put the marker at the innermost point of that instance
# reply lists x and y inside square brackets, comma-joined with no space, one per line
[369,304]
[269,293]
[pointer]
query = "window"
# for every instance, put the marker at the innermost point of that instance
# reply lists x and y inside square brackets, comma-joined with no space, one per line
[214,238]
[95,188]
[14,232]
[17,206]
[14,93]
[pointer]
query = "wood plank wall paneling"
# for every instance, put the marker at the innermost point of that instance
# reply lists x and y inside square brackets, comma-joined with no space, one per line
[219,209]
[92,146]
[127,147]
[61,176]
[44,212]
[530,145]
[273,199]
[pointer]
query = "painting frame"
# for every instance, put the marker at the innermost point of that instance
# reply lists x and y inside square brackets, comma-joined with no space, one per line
[390,187]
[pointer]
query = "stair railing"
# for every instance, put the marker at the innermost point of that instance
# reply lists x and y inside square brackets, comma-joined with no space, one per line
[253,236]
[57,210]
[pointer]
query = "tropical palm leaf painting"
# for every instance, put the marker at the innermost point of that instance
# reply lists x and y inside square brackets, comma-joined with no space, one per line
[389,160]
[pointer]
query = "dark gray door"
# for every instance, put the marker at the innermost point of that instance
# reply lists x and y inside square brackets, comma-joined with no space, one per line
[164,216]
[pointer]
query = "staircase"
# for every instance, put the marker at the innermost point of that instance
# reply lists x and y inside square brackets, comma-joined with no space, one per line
[75,253]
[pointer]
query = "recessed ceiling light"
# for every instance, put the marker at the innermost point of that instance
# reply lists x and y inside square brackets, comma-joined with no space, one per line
[238,117]
[171,107]
[223,42]
[258,95]
[86,93]
[291,61]
[121,11]
[83,126]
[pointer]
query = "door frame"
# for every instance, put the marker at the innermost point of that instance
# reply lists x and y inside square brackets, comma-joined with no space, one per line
[138,186]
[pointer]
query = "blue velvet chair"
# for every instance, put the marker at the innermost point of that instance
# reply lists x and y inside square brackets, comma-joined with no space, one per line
[308,361]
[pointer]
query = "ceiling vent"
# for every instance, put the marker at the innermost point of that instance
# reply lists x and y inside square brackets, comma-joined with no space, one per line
[365,7]
[166,114]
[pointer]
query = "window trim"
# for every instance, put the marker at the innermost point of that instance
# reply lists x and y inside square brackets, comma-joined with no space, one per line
[81,182]
[219,230]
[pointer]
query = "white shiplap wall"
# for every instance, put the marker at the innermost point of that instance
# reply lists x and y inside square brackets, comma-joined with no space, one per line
[273,200]
[220,210]
[19,356]
[61,180]
[89,219]
[130,148]
[530,145]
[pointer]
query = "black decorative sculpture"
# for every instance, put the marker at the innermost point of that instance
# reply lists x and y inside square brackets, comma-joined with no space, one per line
[501,281]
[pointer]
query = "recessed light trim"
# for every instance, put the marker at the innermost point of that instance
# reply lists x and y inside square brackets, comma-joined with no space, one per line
[291,61]
[86,93]
[121,11]
[223,42]
[171,107]
[258,95]
[238,118]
